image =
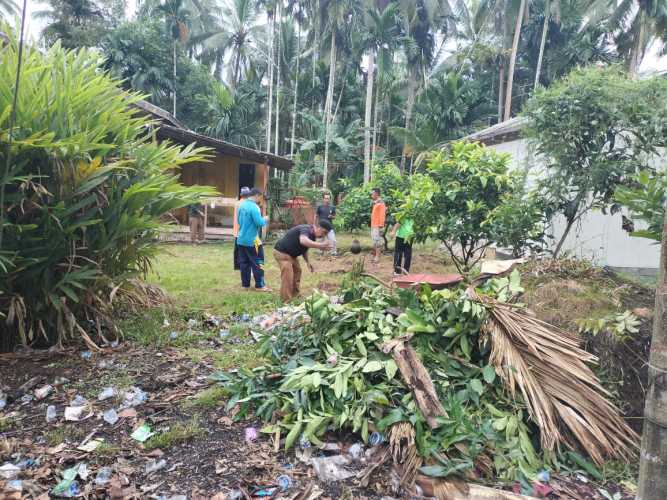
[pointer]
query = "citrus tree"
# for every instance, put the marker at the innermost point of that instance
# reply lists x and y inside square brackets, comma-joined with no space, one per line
[469,200]
[81,195]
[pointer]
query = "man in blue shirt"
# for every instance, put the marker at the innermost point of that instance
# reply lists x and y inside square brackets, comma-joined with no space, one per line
[251,252]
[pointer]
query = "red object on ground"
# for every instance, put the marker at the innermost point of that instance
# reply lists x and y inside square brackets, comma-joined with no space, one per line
[301,210]
[435,281]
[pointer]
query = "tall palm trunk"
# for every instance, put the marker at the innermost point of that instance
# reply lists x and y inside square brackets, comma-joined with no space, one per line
[543,42]
[367,115]
[316,52]
[638,44]
[501,91]
[375,125]
[653,455]
[409,106]
[270,100]
[296,89]
[279,64]
[515,49]
[174,94]
[328,105]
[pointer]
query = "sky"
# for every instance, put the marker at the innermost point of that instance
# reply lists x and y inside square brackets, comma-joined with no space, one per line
[652,61]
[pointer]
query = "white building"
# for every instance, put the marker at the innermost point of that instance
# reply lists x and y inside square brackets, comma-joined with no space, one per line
[598,237]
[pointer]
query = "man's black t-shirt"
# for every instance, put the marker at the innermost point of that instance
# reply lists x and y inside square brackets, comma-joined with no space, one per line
[290,243]
[326,212]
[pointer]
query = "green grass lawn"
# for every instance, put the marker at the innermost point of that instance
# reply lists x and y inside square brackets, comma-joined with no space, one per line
[200,280]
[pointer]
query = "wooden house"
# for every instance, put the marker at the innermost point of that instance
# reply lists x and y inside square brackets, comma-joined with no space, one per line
[230,168]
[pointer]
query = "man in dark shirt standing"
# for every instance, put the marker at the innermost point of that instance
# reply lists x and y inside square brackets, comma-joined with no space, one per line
[295,243]
[326,211]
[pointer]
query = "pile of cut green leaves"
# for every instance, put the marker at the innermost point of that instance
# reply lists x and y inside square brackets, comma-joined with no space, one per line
[329,372]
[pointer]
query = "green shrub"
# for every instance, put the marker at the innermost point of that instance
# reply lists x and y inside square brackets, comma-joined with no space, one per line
[83,195]
[354,212]
[469,200]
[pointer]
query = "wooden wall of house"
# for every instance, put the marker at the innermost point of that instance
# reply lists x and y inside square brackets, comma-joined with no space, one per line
[222,173]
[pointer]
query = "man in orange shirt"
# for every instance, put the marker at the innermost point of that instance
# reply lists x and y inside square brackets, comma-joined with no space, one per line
[245,191]
[378,217]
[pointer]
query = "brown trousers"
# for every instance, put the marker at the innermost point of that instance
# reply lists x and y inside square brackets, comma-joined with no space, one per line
[196,228]
[290,275]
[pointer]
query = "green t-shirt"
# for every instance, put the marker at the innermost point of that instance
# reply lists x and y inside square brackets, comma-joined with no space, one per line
[405,232]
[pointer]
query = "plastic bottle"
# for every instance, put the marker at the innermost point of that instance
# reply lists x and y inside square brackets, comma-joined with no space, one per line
[103,476]
[107,392]
[375,439]
[51,414]
[284,482]
[110,416]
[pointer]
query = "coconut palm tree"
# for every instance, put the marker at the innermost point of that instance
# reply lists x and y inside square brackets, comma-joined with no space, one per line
[382,31]
[8,7]
[177,18]
[550,6]
[634,23]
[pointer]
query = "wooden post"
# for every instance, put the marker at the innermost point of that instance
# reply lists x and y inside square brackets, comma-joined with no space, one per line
[653,456]
[264,184]
[205,219]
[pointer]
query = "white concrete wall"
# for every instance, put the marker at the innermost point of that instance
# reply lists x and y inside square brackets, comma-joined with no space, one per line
[598,237]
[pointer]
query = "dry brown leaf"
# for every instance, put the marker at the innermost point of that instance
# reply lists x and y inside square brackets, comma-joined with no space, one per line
[548,367]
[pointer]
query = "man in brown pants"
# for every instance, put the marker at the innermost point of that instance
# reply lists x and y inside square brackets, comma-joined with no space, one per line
[196,219]
[295,243]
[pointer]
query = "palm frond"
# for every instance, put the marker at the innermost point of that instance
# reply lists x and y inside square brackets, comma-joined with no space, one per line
[563,395]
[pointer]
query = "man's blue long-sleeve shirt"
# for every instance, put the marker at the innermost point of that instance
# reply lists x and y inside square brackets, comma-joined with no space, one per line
[250,222]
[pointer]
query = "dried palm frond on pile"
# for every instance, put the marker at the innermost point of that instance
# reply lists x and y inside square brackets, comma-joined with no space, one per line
[404,452]
[562,393]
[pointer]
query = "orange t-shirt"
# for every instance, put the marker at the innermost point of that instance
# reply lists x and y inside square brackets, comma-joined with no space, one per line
[378,214]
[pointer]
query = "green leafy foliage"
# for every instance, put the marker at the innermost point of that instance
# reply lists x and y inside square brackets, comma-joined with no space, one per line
[83,195]
[595,130]
[469,200]
[330,373]
[354,212]
[645,198]
[622,326]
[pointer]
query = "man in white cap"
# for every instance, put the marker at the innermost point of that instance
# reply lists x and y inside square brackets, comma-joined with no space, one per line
[245,191]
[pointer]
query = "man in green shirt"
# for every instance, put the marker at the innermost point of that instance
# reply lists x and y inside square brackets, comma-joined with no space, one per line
[403,248]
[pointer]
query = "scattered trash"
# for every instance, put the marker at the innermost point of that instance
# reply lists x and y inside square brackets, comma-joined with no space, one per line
[173,335]
[142,433]
[331,468]
[107,393]
[43,392]
[192,323]
[114,344]
[82,470]
[332,360]
[86,355]
[264,492]
[245,317]
[375,439]
[541,490]
[356,451]
[155,465]
[134,397]
[3,400]
[51,414]
[27,398]
[68,487]
[60,381]
[284,482]
[224,334]
[304,443]
[9,471]
[91,445]
[128,413]
[165,323]
[212,321]
[236,495]
[110,416]
[27,463]
[14,485]
[79,400]
[250,434]
[543,476]
[103,476]
[73,413]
